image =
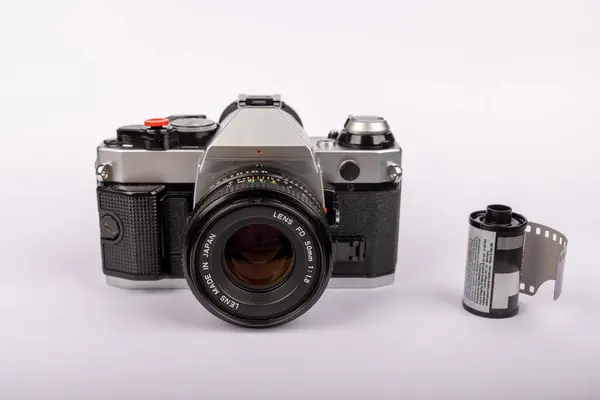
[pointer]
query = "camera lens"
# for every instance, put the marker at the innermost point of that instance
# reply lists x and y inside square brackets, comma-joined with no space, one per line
[258,251]
[258,257]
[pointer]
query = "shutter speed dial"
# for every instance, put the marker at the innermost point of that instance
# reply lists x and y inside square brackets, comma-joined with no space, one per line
[193,130]
[192,124]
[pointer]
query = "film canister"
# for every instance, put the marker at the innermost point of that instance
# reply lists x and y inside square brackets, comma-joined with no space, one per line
[494,262]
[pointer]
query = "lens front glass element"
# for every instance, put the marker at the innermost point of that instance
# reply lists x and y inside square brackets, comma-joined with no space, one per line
[258,257]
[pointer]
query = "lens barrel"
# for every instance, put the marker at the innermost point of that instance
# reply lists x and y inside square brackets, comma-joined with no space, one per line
[258,252]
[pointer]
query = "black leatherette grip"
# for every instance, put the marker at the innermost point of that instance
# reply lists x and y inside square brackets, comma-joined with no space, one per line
[137,250]
[374,216]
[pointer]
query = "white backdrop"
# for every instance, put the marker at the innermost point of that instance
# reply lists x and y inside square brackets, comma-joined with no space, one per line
[491,101]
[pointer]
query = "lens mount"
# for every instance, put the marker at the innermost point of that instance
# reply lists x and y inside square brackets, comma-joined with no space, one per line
[280,229]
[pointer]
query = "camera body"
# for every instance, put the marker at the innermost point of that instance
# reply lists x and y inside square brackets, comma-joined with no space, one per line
[155,180]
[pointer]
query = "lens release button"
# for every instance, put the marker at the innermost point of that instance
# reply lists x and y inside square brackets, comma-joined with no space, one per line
[349,170]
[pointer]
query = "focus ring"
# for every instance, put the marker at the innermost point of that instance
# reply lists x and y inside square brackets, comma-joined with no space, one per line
[264,182]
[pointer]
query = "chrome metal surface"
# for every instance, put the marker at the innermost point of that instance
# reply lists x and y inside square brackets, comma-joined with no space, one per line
[394,172]
[373,163]
[326,143]
[366,124]
[143,166]
[264,135]
[103,172]
[180,283]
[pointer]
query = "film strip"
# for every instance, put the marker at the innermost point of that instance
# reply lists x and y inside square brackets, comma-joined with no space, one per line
[508,255]
[543,259]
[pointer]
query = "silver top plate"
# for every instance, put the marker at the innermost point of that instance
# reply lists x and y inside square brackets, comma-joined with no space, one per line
[374,164]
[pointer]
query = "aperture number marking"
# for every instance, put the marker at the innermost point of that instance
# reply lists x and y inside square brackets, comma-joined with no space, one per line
[309,256]
[308,245]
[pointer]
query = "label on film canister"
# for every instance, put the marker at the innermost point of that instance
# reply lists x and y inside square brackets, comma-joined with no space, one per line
[492,272]
[507,255]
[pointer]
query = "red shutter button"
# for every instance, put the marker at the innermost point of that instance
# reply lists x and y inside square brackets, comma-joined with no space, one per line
[156,122]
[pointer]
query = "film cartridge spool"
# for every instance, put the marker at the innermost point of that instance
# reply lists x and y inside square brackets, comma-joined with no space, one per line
[508,255]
